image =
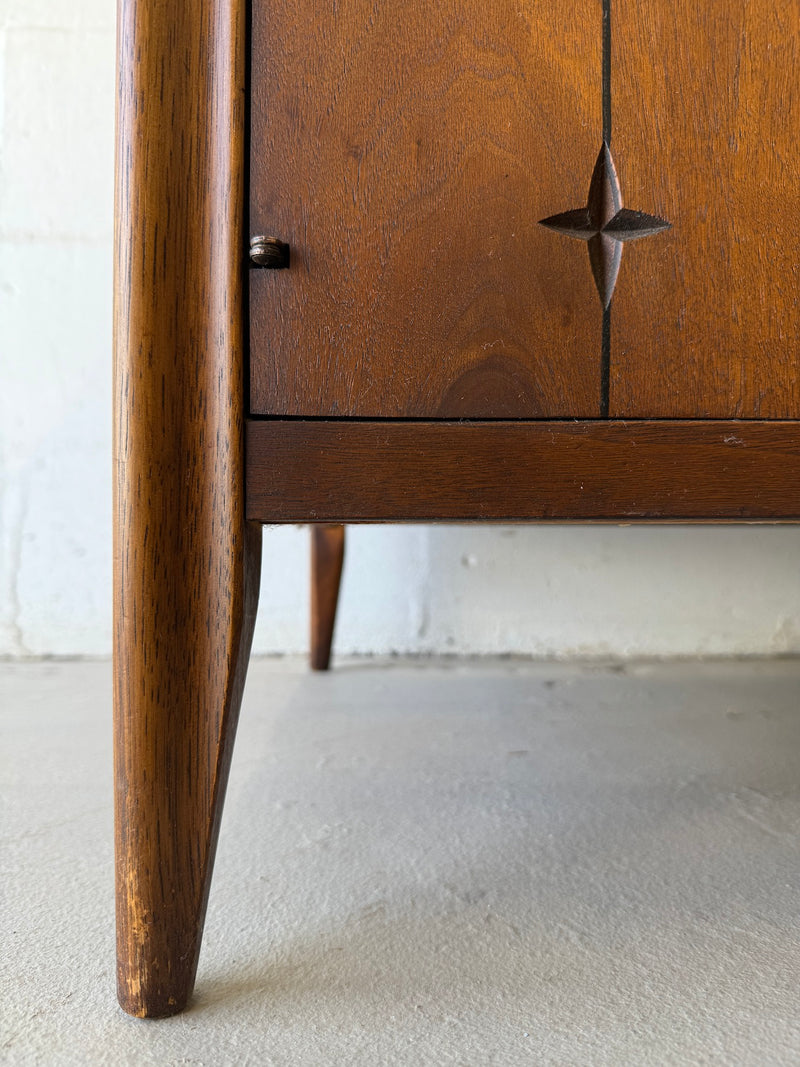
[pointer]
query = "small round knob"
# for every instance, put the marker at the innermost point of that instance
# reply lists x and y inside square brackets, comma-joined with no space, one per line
[269,252]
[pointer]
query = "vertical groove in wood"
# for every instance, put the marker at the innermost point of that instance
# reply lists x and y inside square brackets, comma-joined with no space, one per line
[327,557]
[185,562]
[606,89]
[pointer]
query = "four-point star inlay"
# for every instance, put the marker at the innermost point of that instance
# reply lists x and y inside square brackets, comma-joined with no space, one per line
[605,224]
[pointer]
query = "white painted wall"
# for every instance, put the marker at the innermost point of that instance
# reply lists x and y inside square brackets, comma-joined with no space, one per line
[542,590]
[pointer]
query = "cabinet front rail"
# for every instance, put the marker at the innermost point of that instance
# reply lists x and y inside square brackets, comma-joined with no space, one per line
[407,471]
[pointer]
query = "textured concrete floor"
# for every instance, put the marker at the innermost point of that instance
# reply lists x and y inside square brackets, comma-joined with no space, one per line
[488,863]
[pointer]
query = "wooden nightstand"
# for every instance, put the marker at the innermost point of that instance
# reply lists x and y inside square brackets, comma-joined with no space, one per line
[442,308]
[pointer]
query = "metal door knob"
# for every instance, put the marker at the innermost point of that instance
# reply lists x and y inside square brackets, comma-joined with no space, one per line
[269,252]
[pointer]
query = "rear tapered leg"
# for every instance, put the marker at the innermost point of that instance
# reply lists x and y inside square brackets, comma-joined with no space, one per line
[327,557]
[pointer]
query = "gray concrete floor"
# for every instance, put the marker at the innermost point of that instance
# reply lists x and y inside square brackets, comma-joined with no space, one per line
[436,863]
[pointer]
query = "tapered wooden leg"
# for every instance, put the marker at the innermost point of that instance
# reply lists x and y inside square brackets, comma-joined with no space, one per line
[180,669]
[185,561]
[327,557]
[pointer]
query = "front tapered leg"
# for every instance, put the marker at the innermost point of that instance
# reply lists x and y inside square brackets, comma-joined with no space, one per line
[182,652]
[185,561]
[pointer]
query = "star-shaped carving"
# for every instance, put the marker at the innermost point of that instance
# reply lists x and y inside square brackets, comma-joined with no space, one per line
[605,224]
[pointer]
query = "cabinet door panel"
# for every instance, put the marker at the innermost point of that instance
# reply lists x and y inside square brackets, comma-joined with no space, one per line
[706,132]
[406,151]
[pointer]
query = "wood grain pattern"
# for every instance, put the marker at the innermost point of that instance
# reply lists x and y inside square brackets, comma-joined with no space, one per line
[406,152]
[185,561]
[327,558]
[384,471]
[706,105]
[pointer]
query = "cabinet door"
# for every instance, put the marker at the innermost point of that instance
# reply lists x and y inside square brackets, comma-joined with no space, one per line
[706,111]
[408,152]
